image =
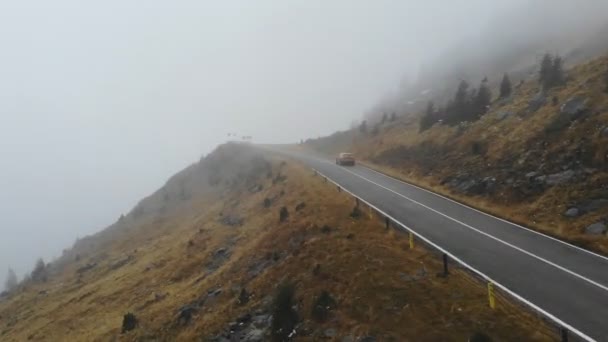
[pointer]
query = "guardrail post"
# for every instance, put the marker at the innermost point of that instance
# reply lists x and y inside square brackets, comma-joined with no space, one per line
[564,334]
[387,222]
[339,189]
[357,202]
[445,265]
[325,179]
[491,298]
[370,212]
[411,240]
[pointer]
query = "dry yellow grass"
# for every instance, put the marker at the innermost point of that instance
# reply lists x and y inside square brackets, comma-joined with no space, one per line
[364,267]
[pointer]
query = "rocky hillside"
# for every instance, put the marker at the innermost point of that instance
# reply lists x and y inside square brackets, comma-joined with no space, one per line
[537,157]
[244,246]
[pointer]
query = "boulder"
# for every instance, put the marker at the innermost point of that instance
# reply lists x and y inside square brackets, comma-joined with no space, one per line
[574,107]
[596,229]
[330,332]
[572,212]
[503,115]
[232,220]
[560,177]
[593,204]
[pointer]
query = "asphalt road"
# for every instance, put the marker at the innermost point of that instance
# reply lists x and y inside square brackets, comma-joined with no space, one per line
[565,281]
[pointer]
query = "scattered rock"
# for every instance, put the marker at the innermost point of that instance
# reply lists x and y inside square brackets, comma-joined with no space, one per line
[267,202]
[86,267]
[129,322]
[538,101]
[232,220]
[185,313]
[368,339]
[330,332]
[604,132]
[256,188]
[572,212]
[596,229]
[591,205]
[121,263]
[218,258]
[503,115]
[559,178]
[300,206]
[348,338]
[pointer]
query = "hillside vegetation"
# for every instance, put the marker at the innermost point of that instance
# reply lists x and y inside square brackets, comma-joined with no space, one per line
[538,156]
[244,246]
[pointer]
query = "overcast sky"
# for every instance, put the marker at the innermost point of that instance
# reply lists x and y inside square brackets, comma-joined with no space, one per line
[100,102]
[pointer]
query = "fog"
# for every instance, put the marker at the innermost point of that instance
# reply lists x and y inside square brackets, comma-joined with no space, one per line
[102,101]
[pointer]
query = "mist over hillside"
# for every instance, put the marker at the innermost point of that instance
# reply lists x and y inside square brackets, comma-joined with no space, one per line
[512,42]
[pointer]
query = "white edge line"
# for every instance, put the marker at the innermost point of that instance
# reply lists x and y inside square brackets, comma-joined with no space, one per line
[488,235]
[487,214]
[483,275]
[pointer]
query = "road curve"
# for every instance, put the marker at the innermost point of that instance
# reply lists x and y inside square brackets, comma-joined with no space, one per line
[565,281]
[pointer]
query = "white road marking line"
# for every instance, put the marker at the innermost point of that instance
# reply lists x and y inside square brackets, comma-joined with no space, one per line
[488,235]
[483,275]
[487,214]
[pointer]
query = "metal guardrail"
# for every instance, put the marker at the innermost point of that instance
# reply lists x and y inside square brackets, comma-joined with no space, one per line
[564,328]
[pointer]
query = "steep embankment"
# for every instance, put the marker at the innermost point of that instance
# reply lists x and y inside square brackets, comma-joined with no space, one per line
[538,157]
[204,257]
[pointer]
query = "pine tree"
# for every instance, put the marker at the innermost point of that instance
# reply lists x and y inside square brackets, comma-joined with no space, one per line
[363,127]
[429,118]
[11,280]
[39,272]
[459,107]
[557,72]
[384,117]
[482,99]
[505,87]
[544,77]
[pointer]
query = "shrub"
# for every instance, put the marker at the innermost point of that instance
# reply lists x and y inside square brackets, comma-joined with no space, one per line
[393,116]
[606,81]
[283,214]
[243,297]
[284,317]
[323,306]
[129,322]
[356,213]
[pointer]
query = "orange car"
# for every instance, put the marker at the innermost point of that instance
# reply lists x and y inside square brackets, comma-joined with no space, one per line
[345,159]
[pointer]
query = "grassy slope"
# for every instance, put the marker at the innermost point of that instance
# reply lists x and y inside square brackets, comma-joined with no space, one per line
[513,147]
[366,273]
